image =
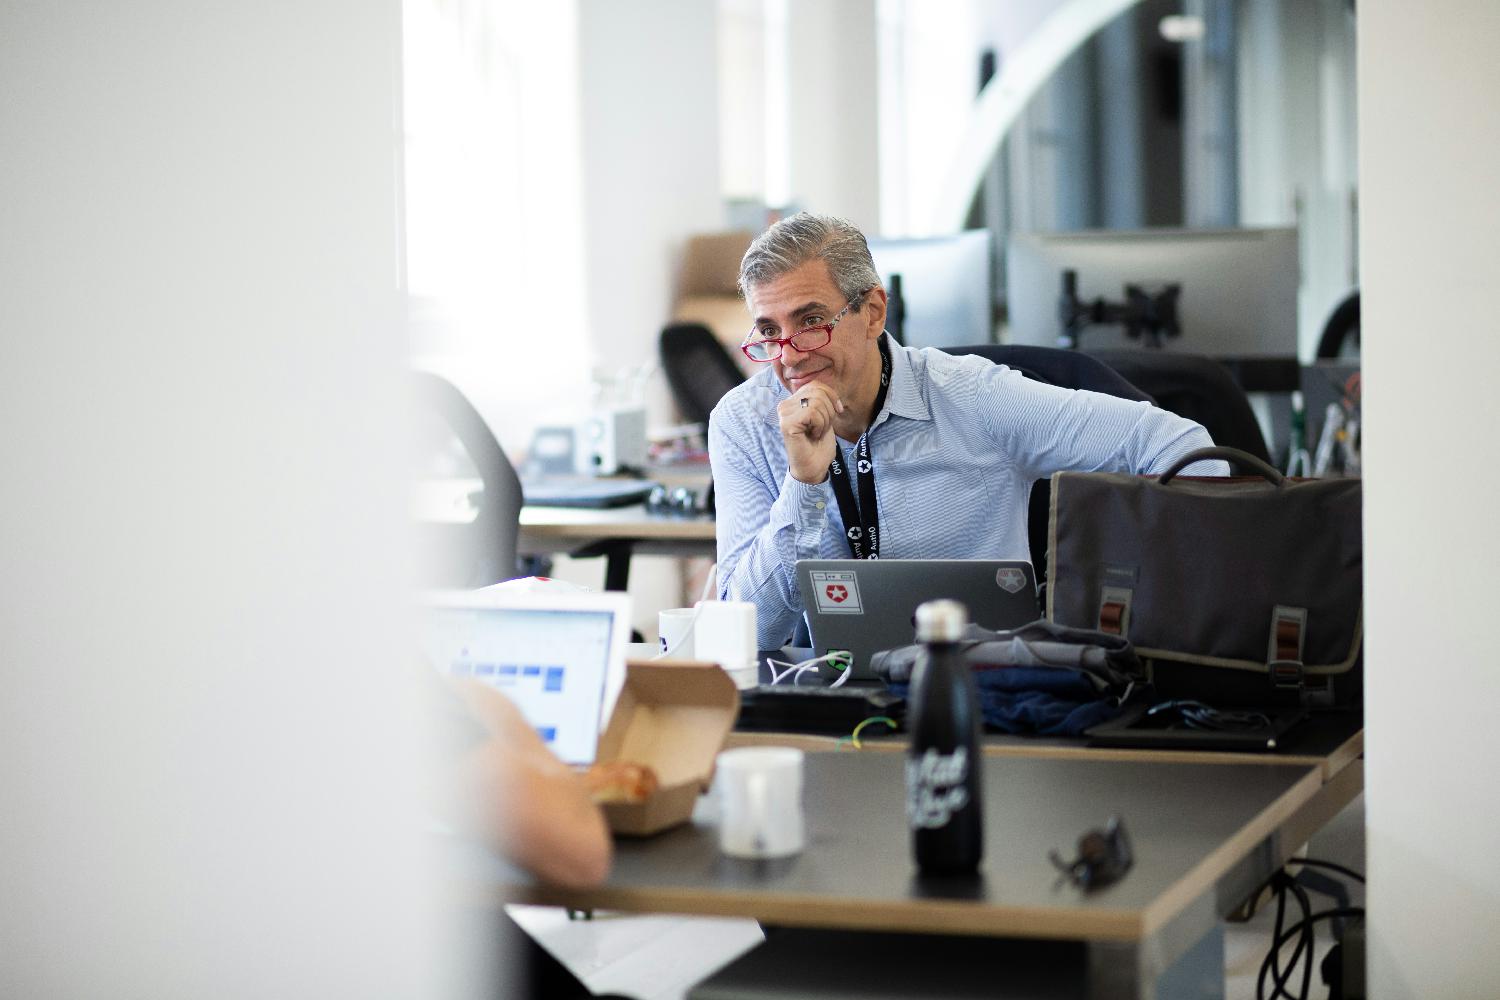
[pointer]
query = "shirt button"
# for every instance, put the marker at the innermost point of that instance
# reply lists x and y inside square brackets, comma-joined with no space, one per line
[819,505]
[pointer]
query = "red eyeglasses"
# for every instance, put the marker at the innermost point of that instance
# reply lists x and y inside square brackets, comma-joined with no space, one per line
[758,347]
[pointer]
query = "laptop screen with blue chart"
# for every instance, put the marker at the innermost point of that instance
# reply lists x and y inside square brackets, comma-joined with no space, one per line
[560,659]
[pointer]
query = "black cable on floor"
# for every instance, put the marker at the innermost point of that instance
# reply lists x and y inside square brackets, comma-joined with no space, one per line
[1254,906]
[1281,884]
[1284,883]
[1301,928]
[1314,863]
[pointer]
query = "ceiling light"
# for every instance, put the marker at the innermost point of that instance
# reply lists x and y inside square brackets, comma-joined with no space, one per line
[1181,28]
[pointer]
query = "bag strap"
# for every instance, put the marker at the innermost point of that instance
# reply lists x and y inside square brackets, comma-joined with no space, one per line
[1234,456]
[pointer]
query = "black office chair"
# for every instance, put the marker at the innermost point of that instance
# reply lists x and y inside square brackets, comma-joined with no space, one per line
[483,551]
[1054,366]
[1195,387]
[698,368]
[1070,370]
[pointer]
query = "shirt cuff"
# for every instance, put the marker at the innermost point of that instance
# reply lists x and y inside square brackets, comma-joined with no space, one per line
[806,507]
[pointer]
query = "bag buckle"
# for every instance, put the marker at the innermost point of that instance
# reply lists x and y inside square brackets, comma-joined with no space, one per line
[1286,675]
[1284,651]
[1114,610]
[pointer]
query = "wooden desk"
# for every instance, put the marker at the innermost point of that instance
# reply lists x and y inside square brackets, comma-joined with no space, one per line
[1344,749]
[553,529]
[615,533]
[1204,836]
[1336,755]
[1208,827]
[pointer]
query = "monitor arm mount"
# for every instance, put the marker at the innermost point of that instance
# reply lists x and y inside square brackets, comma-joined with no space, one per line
[1149,312]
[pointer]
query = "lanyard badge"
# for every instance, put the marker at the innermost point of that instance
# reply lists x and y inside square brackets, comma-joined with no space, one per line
[862,519]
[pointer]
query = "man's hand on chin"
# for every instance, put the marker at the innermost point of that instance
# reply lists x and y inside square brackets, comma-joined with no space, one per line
[806,419]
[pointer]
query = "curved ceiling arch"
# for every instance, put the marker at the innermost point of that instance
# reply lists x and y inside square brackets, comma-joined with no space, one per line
[1021,75]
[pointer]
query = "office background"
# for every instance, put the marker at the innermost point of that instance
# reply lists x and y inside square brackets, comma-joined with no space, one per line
[557,160]
[205,735]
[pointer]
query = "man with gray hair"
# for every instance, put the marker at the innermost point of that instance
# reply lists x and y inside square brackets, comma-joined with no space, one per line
[956,441]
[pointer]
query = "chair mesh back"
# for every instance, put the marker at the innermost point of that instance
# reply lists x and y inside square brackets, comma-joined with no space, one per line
[1195,387]
[698,368]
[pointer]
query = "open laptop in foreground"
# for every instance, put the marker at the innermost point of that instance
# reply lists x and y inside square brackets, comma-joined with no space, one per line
[867,605]
[559,657]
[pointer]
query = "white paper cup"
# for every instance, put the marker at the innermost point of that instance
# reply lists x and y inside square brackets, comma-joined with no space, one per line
[726,633]
[760,802]
[671,629]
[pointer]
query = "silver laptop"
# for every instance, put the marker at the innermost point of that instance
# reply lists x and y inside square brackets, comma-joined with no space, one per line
[560,657]
[866,605]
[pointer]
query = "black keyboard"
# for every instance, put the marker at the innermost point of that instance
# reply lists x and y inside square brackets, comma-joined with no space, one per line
[814,708]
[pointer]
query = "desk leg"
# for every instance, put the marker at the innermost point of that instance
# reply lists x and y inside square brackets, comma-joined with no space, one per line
[1182,961]
[617,566]
[616,555]
[1125,971]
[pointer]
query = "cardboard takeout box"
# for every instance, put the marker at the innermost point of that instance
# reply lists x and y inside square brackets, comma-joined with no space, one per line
[672,716]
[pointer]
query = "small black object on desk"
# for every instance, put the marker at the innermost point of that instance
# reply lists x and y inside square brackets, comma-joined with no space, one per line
[1103,857]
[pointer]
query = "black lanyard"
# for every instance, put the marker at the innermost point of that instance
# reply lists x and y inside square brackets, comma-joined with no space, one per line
[862,520]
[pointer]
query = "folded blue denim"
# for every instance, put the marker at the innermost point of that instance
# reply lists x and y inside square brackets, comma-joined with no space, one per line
[1040,679]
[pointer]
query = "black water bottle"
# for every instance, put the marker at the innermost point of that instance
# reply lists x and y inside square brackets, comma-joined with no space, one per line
[944,786]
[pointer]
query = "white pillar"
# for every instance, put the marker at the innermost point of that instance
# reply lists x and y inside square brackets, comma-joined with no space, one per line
[650,112]
[207,742]
[1429,153]
[832,90]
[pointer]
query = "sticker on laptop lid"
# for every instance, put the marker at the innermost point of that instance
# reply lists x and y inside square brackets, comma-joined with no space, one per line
[1010,579]
[837,592]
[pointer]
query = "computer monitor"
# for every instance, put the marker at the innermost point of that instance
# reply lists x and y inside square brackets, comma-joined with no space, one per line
[946,291]
[1238,294]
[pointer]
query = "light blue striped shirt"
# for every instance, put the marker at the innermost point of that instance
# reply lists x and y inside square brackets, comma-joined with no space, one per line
[956,448]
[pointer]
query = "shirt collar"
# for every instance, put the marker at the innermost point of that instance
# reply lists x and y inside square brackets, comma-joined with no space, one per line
[904,398]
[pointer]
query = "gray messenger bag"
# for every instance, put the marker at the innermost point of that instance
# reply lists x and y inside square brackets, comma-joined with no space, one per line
[1243,590]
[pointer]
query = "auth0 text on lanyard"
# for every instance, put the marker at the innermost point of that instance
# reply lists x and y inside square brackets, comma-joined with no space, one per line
[862,521]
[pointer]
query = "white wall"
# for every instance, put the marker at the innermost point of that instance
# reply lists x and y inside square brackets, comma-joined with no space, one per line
[833,131]
[493,191]
[649,103]
[650,163]
[208,774]
[1429,154]
[928,82]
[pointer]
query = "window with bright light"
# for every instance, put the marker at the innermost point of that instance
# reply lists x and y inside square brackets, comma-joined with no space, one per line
[493,214]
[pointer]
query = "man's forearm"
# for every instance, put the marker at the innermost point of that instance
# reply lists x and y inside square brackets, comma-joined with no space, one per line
[758,555]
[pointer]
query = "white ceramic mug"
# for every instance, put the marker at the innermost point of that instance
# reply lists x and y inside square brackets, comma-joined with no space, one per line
[760,802]
[671,630]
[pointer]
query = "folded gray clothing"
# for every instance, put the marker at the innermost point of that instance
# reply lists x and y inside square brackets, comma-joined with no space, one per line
[1107,661]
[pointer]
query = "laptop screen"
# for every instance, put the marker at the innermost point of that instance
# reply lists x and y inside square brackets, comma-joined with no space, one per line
[561,666]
